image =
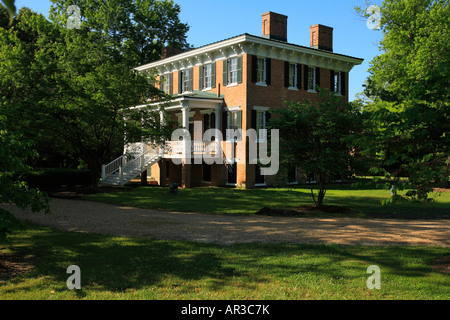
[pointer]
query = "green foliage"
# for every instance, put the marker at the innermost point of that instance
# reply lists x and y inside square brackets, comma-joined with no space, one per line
[13,153]
[137,29]
[407,112]
[55,178]
[317,138]
[68,92]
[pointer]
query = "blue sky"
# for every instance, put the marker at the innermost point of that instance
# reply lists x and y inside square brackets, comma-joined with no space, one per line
[211,21]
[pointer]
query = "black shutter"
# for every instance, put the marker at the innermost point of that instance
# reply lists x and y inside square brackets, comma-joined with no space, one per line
[224,124]
[305,77]
[299,76]
[317,77]
[200,78]
[254,68]
[267,115]
[213,75]
[268,71]
[180,82]
[225,72]
[286,74]
[343,84]
[253,120]
[332,80]
[239,69]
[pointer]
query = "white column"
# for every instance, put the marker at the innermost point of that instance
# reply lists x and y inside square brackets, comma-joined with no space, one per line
[218,112]
[185,123]
[185,115]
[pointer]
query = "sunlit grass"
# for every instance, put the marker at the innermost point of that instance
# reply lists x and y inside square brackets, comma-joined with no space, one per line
[363,202]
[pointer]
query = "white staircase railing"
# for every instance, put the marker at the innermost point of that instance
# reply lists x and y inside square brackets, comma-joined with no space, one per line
[121,171]
[113,167]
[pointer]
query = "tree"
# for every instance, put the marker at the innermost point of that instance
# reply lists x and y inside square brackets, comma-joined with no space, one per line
[317,138]
[70,94]
[13,154]
[137,30]
[408,91]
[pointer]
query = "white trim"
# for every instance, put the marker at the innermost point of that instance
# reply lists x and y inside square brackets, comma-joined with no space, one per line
[261,108]
[293,88]
[261,84]
[234,84]
[230,109]
[261,184]
[248,44]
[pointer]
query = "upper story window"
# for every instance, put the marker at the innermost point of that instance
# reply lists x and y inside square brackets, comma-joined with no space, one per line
[166,83]
[312,78]
[207,76]
[261,70]
[293,75]
[185,80]
[337,82]
[232,71]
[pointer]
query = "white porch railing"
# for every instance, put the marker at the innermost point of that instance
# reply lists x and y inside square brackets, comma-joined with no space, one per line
[113,167]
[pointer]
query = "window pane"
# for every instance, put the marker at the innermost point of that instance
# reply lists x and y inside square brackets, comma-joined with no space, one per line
[311,78]
[260,70]
[292,75]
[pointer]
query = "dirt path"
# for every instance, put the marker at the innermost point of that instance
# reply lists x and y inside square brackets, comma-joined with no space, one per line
[94,217]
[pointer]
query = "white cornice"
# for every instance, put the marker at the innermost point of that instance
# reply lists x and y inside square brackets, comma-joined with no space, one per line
[257,46]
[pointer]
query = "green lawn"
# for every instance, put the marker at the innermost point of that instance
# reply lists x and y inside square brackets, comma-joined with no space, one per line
[128,268]
[364,202]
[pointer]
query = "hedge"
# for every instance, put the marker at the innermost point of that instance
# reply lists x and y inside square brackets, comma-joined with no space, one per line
[55,178]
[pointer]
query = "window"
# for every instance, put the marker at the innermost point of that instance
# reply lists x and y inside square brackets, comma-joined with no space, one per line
[337,82]
[261,70]
[292,75]
[312,78]
[207,76]
[166,83]
[234,123]
[232,70]
[185,80]
[260,123]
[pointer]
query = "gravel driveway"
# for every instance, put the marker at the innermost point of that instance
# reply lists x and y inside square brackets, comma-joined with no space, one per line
[95,217]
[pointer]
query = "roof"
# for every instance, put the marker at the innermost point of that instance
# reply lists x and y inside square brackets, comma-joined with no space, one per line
[240,42]
[200,95]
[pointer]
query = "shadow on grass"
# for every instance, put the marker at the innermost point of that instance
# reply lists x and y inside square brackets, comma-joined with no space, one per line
[117,264]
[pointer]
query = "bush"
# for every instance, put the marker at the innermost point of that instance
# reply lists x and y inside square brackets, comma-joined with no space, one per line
[55,178]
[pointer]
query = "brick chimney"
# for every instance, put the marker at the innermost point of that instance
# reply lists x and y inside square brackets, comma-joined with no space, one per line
[274,26]
[321,37]
[169,52]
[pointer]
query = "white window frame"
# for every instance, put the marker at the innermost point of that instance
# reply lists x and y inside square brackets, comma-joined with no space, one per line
[337,81]
[185,80]
[293,78]
[261,73]
[232,72]
[207,77]
[312,78]
[164,85]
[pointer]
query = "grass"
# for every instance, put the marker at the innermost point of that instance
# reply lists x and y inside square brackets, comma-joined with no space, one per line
[363,202]
[130,268]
